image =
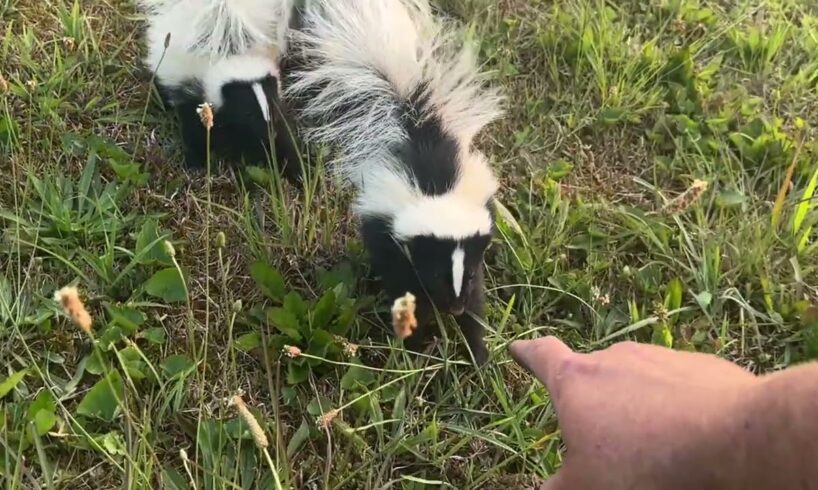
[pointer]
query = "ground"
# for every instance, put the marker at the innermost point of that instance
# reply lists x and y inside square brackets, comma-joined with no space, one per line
[658,162]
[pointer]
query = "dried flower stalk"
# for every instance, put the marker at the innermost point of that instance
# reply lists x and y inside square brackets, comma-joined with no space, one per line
[326,418]
[403,316]
[205,112]
[682,202]
[255,429]
[292,351]
[236,306]
[186,463]
[350,349]
[169,249]
[69,299]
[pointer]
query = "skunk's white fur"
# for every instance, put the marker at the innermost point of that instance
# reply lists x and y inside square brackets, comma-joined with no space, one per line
[202,32]
[383,51]
[235,68]
[386,190]
[217,28]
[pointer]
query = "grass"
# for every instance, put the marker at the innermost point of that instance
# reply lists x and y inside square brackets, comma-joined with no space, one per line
[615,110]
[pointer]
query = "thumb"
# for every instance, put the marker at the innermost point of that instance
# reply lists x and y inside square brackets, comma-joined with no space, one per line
[543,358]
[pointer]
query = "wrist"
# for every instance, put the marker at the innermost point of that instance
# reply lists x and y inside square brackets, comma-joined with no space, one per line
[775,431]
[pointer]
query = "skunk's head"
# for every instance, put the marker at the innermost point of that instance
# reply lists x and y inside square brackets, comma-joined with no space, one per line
[244,91]
[448,269]
[446,239]
[446,235]
[247,107]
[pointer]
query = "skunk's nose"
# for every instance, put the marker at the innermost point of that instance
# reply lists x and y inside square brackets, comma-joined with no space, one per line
[457,309]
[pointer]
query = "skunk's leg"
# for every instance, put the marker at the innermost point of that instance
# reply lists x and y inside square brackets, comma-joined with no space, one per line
[470,321]
[424,331]
[288,151]
[194,136]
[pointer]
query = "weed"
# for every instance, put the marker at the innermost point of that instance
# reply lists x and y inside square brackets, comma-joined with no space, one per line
[205,288]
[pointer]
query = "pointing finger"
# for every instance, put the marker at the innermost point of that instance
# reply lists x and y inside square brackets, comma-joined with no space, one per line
[543,358]
[559,481]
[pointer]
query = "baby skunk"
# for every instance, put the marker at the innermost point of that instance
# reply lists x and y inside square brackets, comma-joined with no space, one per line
[226,53]
[400,99]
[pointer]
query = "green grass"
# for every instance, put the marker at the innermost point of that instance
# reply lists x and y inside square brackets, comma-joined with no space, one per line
[614,110]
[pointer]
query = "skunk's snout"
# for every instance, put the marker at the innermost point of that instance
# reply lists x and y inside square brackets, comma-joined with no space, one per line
[457,308]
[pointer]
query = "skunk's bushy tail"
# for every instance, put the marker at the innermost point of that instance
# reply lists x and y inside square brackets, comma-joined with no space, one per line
[226,27]
[363,60]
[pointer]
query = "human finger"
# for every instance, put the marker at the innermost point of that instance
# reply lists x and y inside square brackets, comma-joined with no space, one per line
[561,480]
[542,357]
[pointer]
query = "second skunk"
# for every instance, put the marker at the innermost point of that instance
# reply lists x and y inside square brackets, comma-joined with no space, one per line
[226,53]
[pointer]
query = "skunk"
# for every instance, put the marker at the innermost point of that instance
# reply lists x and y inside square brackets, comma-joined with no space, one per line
[225,53]
[398,97]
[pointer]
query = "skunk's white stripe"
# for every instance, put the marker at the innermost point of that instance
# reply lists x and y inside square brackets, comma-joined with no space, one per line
[458,267]
[262,101]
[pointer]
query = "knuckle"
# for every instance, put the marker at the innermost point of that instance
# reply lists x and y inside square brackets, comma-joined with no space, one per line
[575,366]
[624,347]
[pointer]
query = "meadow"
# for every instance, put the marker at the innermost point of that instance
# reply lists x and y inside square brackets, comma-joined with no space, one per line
[659,164]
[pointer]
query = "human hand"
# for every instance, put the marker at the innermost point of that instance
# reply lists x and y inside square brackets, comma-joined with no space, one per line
[640,416]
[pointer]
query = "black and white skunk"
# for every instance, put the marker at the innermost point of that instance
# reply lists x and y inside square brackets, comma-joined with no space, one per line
[399,98]
[225,53]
